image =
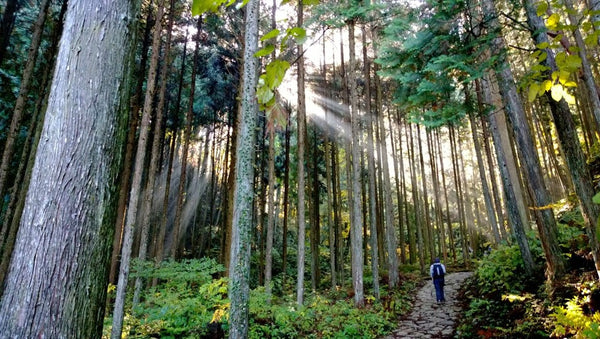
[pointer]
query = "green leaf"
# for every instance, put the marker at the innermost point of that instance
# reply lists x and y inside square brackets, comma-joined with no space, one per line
[573,61]
[298,33]
[268,49]
[542,45]
[542,57]
[596,198]
[275,71]
[272,34]
[533,91]
[310,2]
[541,8]
[264,94]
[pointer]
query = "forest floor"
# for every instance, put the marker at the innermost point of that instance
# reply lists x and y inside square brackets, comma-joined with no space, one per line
[428,319]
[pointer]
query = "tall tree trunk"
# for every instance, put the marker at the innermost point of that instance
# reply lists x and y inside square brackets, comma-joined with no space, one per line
[72,194]
[534,178]
[125,180]
[371,166]
[160,239]
[569,141]
[515,219]
[301,150]
[10,224]
[239,265]
[417,244]
[7,24]
[26,81]
[491,213]
[398,173]
[286,200]
[271,214]
[136,182]
[357,220]
[330,177]
[155,154]
[178,226]
[445,187]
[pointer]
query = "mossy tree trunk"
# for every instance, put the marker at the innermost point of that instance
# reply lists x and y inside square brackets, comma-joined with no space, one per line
[56,287]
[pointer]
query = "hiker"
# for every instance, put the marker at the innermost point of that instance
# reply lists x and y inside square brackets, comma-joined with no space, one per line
[437,271]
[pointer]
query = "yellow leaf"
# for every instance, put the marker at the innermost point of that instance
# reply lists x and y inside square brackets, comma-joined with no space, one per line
[568,98]
[553,21]
[547,85]
[570,84]
[557,92]
[563,76]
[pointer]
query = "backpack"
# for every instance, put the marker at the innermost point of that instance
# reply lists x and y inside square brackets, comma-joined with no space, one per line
[438,271]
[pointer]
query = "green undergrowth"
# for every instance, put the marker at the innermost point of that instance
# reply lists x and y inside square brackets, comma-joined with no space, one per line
[190,301]
[502,301]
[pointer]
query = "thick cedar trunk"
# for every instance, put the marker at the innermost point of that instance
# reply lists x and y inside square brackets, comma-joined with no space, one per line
[136,182]
[10,224]
[20,105]
[56,285]
[239,266]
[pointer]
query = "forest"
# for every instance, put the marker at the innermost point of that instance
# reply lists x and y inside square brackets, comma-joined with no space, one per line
[291,169]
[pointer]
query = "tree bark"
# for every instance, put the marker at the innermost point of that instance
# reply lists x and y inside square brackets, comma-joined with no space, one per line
[356,223]
[301,180]
[371,166]
[56,285]
[239,266]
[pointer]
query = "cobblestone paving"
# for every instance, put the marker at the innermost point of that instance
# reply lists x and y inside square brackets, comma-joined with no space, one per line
[429,319]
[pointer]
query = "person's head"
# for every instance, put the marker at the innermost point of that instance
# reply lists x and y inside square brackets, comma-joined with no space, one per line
[436,260]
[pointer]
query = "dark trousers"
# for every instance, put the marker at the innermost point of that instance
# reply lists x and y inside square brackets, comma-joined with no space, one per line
[439,289]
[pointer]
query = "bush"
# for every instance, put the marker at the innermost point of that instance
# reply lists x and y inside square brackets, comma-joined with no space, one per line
[579,317]
[186,303]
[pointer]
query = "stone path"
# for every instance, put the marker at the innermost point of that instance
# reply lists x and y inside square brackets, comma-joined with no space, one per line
[429,319]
